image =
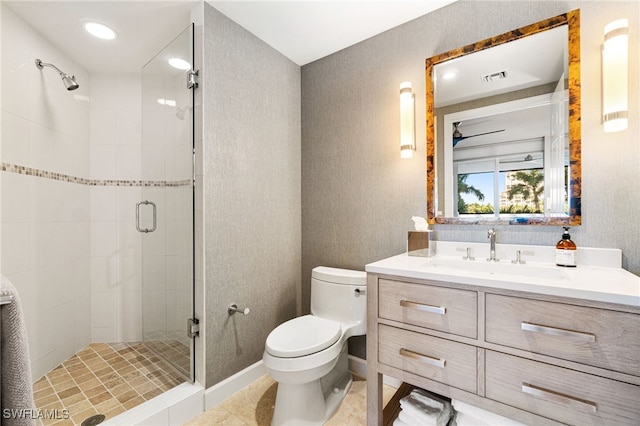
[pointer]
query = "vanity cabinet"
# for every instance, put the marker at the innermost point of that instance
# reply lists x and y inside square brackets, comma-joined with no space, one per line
[536,358]
[442,360]
[566,395]
[599,337]
[439,308]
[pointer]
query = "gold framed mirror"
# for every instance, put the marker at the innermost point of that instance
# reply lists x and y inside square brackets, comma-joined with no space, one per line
[503,128]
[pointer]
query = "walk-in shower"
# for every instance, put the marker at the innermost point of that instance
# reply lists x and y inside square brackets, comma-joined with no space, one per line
[69,80]
[141,280]
[106,306]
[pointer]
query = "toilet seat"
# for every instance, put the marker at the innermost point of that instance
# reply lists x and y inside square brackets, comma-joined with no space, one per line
[302,336]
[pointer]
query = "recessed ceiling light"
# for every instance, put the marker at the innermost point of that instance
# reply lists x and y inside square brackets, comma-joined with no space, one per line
[180,64]
[167,102]
[495,76]
[99,30]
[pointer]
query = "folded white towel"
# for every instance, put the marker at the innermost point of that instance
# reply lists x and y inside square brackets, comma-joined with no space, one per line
[424,405]
[481,415]
[398,422]
[463,419]
[437,417]
[16,389]
[421,403]
[418,409]
[429,398]
[413,420]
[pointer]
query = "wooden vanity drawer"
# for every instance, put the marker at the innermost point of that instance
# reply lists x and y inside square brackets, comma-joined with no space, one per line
[592,336]
[560,394]
[439,308]
[437,359]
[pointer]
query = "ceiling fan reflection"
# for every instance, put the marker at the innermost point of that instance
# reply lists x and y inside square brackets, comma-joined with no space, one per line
[458,136]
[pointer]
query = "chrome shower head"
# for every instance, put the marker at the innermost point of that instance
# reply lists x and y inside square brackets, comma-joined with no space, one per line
[69,81]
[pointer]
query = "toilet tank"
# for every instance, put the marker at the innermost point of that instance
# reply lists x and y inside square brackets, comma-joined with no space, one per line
[334,297]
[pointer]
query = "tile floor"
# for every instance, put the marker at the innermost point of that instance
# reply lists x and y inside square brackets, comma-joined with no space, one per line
[102,379]
[175,352]
[253,406]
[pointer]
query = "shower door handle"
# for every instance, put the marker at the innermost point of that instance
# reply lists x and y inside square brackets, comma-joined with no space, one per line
[153,206]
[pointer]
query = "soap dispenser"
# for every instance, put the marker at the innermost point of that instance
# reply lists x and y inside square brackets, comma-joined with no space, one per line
[566,251]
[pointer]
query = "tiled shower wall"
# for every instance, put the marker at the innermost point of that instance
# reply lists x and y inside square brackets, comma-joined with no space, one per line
[68,236]
[46,226]
[115,150]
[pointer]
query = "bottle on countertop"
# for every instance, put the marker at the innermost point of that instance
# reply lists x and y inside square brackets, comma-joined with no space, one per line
[566,251]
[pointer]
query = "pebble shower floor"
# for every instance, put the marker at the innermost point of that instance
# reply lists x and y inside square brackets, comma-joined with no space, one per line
[103,379]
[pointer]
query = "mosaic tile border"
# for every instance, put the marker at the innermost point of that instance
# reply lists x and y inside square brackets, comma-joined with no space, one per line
[30,171]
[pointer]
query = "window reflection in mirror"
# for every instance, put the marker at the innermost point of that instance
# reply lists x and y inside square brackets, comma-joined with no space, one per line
[522,159]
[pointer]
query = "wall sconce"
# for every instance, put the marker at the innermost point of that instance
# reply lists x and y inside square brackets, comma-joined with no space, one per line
[615,56]
[407,121]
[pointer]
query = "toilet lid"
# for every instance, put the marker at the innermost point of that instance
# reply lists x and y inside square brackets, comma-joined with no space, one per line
[302,336]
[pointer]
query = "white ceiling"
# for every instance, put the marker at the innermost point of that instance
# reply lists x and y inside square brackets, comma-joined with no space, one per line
[143,28]
[302,30]
[305,30]
[531,61]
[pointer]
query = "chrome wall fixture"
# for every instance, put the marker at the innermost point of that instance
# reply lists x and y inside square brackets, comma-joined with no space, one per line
[5,300]
[232,309]
[615,64]
[69,81]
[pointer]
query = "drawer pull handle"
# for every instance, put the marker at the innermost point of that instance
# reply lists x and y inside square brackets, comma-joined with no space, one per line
[425,308]
[586,337]
[436,362]
[560,398]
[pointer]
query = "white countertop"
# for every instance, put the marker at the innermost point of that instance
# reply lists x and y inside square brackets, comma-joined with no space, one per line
[597,277]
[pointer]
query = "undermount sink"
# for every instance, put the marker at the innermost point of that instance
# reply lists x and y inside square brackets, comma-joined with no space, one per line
[497,270]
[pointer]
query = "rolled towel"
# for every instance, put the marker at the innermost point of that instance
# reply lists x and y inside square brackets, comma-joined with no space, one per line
[16,389]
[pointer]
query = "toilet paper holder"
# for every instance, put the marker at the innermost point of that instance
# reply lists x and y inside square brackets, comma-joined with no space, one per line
[232,309]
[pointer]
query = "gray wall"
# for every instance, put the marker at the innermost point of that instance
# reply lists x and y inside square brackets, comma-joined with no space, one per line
[358,196]
[251,192]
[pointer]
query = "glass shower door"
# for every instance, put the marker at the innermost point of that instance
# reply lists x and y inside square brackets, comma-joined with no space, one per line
[165,212]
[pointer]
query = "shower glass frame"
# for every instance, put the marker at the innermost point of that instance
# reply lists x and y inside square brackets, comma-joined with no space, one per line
[166,209]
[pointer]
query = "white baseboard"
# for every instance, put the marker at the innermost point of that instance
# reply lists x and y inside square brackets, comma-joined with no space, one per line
[179,404]
[233,384]
[358,366]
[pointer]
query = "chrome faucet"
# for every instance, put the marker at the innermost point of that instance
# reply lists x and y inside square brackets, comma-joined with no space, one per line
[491,234]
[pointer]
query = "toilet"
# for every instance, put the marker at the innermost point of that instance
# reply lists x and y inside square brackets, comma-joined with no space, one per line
[307,355]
